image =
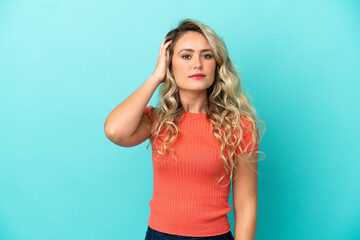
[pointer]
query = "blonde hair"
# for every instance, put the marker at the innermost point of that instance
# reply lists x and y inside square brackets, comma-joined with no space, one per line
[227,102]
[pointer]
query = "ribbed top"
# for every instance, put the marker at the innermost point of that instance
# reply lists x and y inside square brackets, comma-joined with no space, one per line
[186,200]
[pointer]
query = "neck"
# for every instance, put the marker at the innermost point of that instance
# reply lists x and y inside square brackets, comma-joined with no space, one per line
[194,102]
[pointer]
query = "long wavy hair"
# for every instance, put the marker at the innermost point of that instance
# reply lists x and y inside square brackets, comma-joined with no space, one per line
[227,103]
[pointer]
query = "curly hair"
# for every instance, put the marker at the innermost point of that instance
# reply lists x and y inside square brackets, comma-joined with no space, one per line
[226,107]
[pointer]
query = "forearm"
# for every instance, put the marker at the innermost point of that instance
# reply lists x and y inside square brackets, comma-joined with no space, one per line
[245,224]
[125,118]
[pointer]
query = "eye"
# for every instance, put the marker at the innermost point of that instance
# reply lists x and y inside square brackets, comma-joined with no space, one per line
[206,56]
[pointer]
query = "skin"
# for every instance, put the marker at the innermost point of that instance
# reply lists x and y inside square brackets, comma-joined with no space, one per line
[245,197]
[193,97]
[192,92]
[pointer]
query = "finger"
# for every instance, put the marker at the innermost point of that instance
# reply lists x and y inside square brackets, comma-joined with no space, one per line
[167,44]
[163,47]
[161,44]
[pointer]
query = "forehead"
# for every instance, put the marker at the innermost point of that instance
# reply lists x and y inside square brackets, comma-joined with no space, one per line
[193,40]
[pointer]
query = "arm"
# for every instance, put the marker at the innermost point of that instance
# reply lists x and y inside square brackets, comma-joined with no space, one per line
[125,125]
[245,197]
[124,120]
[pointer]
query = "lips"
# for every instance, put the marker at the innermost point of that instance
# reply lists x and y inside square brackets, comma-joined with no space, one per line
[197,75]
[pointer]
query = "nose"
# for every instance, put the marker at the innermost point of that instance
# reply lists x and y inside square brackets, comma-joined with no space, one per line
[198,63]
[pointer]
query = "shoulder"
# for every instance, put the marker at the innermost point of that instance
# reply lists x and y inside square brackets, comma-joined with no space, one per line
[147,110]
[150,112]
[247,126]
[247,122]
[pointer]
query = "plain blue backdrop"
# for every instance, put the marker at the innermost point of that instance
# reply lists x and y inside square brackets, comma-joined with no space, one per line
[65,65]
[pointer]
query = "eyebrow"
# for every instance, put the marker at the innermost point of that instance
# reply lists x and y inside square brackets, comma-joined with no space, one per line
[192,50]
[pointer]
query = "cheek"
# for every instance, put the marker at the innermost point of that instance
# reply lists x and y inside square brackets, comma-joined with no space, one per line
[178,68]
[212,66]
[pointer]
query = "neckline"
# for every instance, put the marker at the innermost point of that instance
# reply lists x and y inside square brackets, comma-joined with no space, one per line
[195,115]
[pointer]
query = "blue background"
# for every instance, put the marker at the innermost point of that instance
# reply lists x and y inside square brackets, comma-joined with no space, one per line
[65,65]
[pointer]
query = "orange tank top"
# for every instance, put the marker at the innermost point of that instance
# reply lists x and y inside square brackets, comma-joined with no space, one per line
[186,200]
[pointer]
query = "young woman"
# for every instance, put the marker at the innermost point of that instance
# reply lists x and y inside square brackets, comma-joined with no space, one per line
[203,130]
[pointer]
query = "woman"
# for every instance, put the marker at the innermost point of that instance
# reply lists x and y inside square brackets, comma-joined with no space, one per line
[202,131]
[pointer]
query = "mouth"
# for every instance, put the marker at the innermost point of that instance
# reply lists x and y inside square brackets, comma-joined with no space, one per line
[197,76]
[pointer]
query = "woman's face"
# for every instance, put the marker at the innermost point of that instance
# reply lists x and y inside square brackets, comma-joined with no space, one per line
[192,54]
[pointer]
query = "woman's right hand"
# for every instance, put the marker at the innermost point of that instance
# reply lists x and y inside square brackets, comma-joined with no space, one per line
[160,69]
